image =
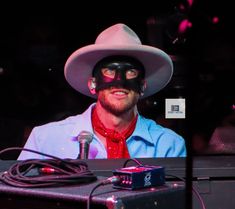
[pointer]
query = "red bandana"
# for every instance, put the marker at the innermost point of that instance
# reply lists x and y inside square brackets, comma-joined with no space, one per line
[116,142]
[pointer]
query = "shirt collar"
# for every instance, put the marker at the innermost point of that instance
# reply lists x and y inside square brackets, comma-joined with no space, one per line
[141,129]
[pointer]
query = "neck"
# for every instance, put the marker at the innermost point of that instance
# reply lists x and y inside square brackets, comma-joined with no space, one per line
[111,121]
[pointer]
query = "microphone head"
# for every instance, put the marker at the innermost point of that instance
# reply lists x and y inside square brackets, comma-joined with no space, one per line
[84,139]
[85,136]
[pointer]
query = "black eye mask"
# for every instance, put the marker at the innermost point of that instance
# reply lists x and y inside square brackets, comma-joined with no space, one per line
[120,65]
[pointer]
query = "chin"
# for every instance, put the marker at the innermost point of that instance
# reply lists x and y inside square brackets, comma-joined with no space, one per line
[118,106]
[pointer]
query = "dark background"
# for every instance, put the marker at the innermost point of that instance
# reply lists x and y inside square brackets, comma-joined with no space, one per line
[36,40]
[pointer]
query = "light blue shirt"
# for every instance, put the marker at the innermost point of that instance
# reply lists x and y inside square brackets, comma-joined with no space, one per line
[59,139]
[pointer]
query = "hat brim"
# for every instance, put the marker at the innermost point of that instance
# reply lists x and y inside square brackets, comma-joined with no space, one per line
[158,65]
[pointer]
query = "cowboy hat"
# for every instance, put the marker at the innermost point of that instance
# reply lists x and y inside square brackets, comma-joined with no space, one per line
[118,39]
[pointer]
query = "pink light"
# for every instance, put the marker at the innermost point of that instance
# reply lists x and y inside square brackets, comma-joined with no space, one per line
[190,2]
[184,25]
[215,20]
[233,107]
[181,7]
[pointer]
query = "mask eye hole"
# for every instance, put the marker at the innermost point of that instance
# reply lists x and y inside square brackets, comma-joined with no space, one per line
[110,73]
[131,73]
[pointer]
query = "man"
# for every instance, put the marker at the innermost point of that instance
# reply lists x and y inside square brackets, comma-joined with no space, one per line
[117,70]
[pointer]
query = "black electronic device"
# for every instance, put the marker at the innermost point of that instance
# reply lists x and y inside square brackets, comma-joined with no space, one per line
[141,176]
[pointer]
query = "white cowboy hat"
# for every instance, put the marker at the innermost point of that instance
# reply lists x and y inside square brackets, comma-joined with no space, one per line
[118,39]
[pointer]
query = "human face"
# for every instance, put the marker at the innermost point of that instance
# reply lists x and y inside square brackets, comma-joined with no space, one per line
[117,101]
[119,82]
[119,71]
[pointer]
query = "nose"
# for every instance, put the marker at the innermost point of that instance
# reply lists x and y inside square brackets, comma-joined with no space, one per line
[120,75]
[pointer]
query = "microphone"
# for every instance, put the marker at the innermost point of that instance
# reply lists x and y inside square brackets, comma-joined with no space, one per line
[84,139]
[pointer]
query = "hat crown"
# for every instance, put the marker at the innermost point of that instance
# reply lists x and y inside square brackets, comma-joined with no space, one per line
[118,39]
[119,34]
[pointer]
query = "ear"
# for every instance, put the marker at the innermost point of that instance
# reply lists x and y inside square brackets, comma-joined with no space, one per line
[92,85]
[143,87]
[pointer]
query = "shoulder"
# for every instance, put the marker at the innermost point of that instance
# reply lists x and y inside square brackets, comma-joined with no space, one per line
[55,128]
[65,122]
[166,142]
[159,132]
[68,123]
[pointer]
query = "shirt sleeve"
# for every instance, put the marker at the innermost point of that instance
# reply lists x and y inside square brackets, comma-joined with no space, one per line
[170,144]
[180,148]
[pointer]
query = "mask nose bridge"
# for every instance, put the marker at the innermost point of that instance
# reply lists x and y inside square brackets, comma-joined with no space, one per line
[120,74]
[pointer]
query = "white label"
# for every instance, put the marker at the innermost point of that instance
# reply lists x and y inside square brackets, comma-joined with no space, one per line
[175,108]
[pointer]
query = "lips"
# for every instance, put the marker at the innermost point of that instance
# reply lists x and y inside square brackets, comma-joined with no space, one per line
[119,93]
